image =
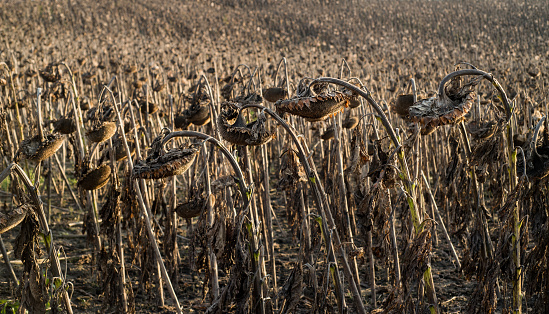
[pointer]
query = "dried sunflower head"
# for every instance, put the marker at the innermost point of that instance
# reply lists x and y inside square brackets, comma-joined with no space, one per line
[197,114]
[234,129]
[102,125]
[274,94]
[448,108]
[315,107]
[328,134]
[194,206]
[64,126]
[36,149]
[96,178]
[482,129]
[12,217]
[403,104]
[350,122]
[153,108]
[171,163]
[50,73]
[101,131]
[160,164]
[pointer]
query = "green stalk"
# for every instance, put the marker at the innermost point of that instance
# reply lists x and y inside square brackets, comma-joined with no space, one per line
[431,293]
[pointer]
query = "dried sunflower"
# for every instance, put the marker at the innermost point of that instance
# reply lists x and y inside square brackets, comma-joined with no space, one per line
[36,149]
[313,106]
[448,108]
[96,178]
[254,133]
[160,164]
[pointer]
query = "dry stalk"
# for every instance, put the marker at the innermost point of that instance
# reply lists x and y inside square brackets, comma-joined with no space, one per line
[47,236]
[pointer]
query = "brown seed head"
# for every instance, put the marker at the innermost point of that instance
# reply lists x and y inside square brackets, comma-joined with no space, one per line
[96,178]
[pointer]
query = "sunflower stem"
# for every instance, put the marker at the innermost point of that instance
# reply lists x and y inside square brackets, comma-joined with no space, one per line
[485,75]
[344,204]
[46,232]
[39,114]
[322,203]
[268,220]
[394,242]
[18,115]
[145,212]
[211,216]
[244,190]
[8,264]
[440,221]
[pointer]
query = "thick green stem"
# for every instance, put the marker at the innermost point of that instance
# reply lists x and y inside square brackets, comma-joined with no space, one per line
[431,293]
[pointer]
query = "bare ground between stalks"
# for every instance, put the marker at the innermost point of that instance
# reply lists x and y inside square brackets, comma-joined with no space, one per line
[452,288]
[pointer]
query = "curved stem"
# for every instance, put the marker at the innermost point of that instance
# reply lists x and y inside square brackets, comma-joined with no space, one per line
[512,155]
[321,201]
[285,62]
[237,70]
[487,76]
[73,83]
[252,81]
[535,137]
[242,184]
[414,89]
[405,173]
[370,100]
[246,197]
[344,63]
